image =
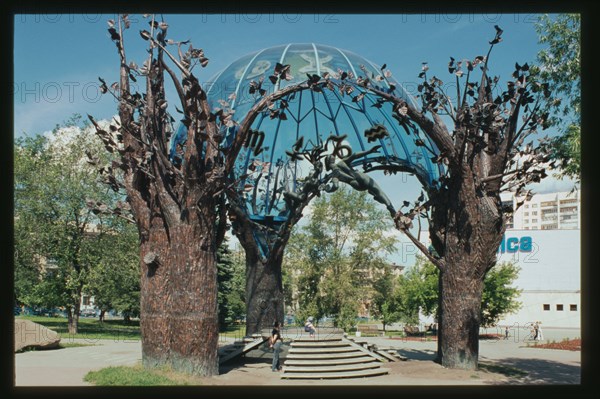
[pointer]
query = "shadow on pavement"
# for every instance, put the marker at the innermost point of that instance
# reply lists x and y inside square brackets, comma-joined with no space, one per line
[540,371]
[414,354]
[243,363]
[260,356]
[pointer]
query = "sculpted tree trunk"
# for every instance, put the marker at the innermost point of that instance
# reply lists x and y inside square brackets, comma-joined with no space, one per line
[178,297]
[177,201]
[483,155]
[264,283]
[264,292]
[473,230]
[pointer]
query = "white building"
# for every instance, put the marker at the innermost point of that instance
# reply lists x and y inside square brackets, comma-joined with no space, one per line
[561,210]
[544,240]
[550,276]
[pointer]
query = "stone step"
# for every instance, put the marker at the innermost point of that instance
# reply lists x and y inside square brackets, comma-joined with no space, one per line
[317,338]
[330,368]
[316,356]
[365,350]
[323,362]
[316,344]
[229,352]
[335,349]
[387,355]
[334,375]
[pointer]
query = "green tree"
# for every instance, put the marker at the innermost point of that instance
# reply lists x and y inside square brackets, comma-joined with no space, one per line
[58,238]
[560,65]
[115,281]
[338,255]
[230,280]
[385,304]
[419,291]
[499,295]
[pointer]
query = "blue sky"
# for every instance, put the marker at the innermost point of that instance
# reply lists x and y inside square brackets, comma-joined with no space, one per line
[58,58]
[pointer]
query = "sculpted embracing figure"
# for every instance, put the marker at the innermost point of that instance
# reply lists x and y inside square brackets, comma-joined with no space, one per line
[342,171]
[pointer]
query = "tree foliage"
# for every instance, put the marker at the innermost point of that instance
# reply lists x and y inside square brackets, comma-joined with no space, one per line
[560,64]
[231,281]
[59,240]
[115,281]
[419,292]
[560,61]
[337,255]
[386,305]
[500,297]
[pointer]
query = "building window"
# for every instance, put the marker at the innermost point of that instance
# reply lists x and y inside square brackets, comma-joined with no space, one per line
[534,213]
[85,301]
[534,206]
[559,308]
[546,306]
[526,206]
[533,220]
[526,213]
[568,201]
[573,308]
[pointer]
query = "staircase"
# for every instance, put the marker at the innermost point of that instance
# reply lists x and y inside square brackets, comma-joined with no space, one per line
[389,353]
[331,357]
[238,348]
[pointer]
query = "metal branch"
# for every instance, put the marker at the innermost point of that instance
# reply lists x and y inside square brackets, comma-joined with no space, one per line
[438,262]
[497,176]
[184,70]
[177,84]
[251,116]
[435,129]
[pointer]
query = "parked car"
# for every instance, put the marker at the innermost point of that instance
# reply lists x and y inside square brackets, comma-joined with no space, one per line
[89,313]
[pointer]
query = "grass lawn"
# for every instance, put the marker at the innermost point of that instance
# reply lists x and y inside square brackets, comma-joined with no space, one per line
[73,345]
[90,328]
[131,376]
[234,331]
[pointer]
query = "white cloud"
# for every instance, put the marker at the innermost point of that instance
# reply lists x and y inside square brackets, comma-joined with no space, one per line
[552,184]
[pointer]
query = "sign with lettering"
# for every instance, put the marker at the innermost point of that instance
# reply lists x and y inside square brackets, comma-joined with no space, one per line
[515,244]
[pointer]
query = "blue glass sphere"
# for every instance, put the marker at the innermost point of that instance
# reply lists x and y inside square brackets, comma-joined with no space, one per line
[264,170]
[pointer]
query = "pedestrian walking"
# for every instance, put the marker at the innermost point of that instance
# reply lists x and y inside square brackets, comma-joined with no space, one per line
[536,331]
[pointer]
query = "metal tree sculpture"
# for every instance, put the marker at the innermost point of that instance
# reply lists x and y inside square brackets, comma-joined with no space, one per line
[297,147]
[179,207]
[484,153]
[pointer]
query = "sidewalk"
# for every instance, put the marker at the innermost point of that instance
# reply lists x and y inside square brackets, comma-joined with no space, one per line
[68,366]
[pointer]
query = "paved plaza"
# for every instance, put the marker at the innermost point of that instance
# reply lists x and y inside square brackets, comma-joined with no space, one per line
[68,366]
